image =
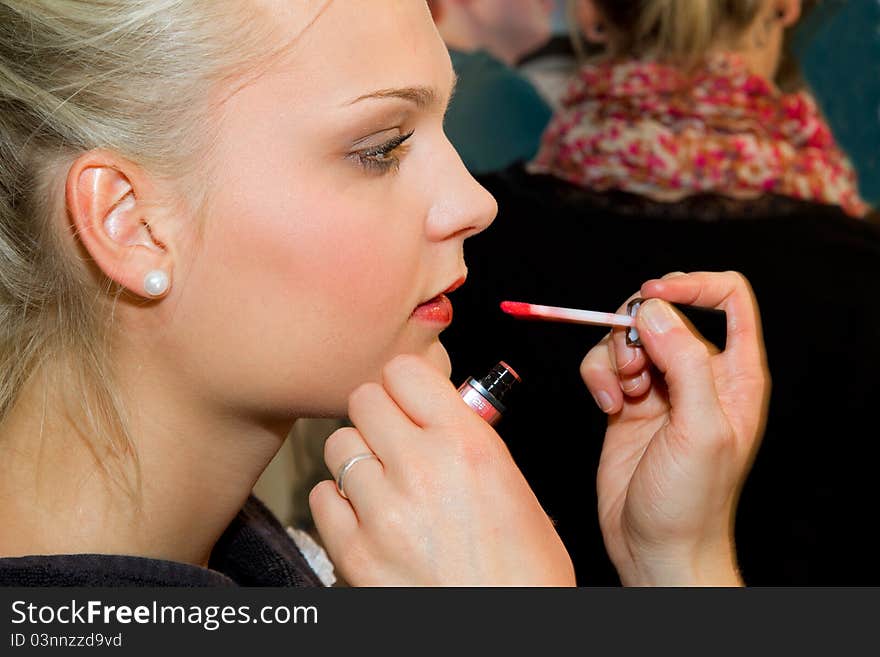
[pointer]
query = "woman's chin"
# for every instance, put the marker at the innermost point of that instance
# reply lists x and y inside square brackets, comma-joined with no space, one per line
[438,356]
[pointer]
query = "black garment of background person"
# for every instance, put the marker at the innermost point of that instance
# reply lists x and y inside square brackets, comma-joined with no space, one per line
[807,510]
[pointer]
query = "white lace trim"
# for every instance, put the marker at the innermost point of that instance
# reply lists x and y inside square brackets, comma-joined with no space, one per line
[315,556]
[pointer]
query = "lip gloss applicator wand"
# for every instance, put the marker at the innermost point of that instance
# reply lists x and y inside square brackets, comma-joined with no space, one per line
[710,322]
[571,315]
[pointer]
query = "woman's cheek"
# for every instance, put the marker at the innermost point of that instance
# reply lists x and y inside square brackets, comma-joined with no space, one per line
[380,282]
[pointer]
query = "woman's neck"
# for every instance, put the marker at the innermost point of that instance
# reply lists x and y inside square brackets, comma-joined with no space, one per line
[187,475]
[760,46]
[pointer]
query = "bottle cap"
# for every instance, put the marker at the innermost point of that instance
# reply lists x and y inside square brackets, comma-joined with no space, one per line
[500,380]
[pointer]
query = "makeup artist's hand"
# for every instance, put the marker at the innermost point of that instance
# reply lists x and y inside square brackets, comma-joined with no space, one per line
[684,423]
[444,504]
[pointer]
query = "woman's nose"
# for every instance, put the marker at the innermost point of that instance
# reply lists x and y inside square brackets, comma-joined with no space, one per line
[463,207]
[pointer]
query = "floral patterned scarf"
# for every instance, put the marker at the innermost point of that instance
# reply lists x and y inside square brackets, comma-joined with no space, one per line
[652,130]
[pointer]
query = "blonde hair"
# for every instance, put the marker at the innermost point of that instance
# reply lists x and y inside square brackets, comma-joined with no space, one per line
[133,76]
[680,31]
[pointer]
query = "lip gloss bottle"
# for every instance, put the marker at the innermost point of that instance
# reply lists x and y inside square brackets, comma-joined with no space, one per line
[486,395]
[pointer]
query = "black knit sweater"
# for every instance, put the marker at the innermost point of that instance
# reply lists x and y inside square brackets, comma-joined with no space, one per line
[253,551]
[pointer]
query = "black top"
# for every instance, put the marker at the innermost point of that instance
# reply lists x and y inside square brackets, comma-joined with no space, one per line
[253,551]
[806,513]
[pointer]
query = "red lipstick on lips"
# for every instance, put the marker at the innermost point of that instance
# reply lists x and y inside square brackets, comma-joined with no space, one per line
[452,288]
[439,309]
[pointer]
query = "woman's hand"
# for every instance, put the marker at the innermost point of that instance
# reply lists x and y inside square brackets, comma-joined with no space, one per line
[443,503]
[681,435]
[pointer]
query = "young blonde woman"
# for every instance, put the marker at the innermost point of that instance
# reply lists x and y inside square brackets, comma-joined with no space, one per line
[219,216]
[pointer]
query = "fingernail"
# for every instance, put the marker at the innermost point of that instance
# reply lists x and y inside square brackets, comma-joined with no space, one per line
[658,316]
[628,355]
[604,401]
[628,385]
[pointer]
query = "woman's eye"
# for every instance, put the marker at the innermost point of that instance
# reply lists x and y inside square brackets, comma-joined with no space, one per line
[384,157]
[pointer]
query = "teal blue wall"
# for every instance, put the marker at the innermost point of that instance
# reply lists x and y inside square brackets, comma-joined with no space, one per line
[839,48]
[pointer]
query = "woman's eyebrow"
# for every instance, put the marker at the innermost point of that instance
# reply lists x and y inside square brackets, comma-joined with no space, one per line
[422,97]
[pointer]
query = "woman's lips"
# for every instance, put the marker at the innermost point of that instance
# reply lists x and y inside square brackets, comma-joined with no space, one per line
[437,310]
[456,285]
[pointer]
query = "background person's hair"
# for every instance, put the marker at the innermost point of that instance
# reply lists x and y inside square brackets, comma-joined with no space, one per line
[132,76]
[678,31]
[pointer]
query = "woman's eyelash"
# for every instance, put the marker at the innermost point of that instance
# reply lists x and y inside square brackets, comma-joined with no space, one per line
[382,158]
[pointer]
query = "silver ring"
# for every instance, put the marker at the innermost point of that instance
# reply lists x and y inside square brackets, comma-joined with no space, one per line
[345,467]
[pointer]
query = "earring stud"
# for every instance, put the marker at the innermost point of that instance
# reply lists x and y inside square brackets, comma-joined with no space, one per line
[156,283]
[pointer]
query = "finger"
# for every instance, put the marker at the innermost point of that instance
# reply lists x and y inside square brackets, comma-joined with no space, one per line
[636,386]
[421,392]
[728,291]
[682,358]
[597,371]
[334,518]
[636,382]
[384,427]
[629,361]
[364,481]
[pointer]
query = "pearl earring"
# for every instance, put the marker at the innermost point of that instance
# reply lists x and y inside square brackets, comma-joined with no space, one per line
[156,283]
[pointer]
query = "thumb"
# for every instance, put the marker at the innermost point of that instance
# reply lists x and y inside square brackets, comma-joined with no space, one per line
[682,358]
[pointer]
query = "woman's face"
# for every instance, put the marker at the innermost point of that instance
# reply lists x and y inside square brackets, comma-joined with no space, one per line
[338,209]
[525,24]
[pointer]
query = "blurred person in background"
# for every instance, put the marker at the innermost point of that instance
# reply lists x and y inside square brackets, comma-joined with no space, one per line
[674,150]
[550,67]
[684,103]
[497,115]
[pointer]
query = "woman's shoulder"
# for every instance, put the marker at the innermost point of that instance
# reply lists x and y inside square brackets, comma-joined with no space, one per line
[93,570]
[255,550]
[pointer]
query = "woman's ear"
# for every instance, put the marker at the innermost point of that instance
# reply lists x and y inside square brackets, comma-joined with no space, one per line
[116,215]
[591,22]
[788,11]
